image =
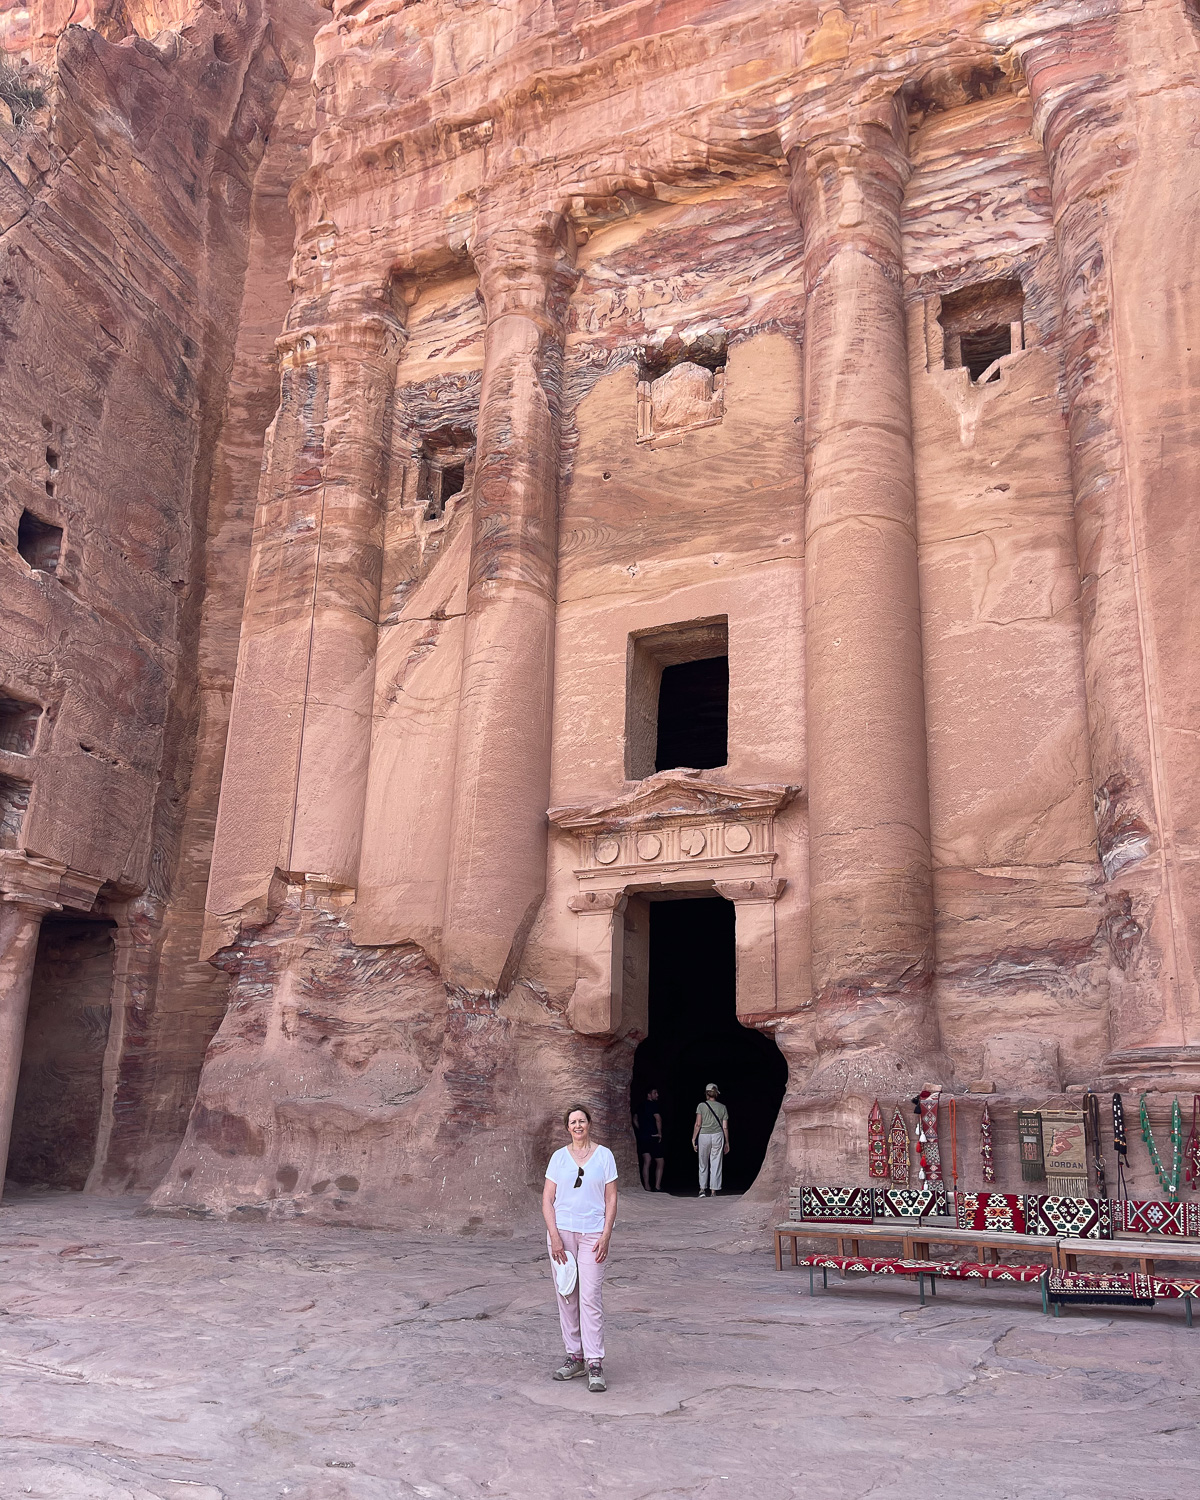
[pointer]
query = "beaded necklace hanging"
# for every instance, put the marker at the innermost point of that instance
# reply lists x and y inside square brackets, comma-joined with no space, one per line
[1120,1145]
[1191,1152]
[1169,1180]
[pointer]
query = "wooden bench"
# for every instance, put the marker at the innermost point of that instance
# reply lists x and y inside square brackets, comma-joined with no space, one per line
[992,1241]
[1141,1249]
[952,1270]
[848,1237]
[915,1240]
[871,1266]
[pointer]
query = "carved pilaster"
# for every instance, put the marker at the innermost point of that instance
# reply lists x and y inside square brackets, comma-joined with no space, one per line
[294,783]
[871,887]
[502,770]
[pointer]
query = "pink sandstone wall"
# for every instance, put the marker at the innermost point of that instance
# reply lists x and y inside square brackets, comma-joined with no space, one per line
[962,725]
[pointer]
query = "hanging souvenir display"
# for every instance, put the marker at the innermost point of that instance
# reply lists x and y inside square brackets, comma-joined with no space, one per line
[985,1145]
[898,1150]
[1169,1180]
[1029,1133]
[1191,1152]
[877,1151]
[1091,1116]
[954,1144]
[929,1156]
[1120,1145]
[1066,1152]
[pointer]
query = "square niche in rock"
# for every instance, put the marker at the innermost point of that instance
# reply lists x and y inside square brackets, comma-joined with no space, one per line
[681,386]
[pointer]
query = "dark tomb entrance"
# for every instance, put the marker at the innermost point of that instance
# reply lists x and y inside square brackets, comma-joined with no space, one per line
[695,1039]
[59,1094]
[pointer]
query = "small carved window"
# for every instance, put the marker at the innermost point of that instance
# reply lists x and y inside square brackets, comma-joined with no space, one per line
[14,799]
[39,542]
[681,385]
[18,724]
[447,462]
[677,698]
[982,325]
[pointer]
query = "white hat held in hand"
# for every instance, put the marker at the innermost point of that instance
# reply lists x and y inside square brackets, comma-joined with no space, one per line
[566,1273]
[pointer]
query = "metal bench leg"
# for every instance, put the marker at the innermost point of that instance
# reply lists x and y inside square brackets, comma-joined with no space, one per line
[1187,1309]
[1045,1298]
[810,1281]
[933,1286]
[921,1285]
[825,1277]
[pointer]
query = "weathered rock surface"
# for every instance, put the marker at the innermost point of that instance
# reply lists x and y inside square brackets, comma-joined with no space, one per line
[165,1360]
[854,341]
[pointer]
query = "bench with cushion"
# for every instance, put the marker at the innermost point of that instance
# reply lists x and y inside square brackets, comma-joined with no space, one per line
[1099,1288]
[985,1271]
[872,1266]
[1186,1287]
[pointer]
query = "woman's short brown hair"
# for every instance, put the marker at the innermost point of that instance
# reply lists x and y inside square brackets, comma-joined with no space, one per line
[580,1109]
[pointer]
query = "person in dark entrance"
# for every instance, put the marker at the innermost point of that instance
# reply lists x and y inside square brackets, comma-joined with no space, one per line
[710,1140]
[648,1127]
[579,1205]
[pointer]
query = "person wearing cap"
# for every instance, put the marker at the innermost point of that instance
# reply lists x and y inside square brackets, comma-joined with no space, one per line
[579,1205]
[710,1140]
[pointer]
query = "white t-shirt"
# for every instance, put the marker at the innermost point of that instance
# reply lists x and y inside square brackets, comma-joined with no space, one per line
[581,1209]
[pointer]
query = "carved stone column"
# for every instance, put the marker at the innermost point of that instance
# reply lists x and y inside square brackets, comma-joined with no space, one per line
[596,1007]
[20,922]
[502,769]
[1123,205]
[294,781]
[871,887]
[754,938]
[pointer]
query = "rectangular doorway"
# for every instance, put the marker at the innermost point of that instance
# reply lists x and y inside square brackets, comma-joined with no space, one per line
[59,1093]
[694,1039]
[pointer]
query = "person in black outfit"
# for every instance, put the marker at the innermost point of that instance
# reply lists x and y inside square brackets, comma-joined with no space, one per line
[647,1126]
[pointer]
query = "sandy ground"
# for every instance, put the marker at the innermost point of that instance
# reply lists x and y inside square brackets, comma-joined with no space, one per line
[149,1357]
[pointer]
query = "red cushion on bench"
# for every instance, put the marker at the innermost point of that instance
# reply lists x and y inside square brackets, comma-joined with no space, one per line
[981,1271]
[873,1267]
[1176,1286]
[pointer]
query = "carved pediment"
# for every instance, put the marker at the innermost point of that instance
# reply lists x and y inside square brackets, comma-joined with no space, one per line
[672,797]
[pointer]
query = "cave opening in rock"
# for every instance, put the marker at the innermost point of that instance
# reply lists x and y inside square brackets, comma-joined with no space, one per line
[18,724]
[60,1089]
[693,715]
[694,1038]
[39,542]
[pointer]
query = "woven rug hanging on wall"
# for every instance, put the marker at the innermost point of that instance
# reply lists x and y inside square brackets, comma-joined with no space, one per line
[1081,1218]
[1065,1141]
[1152,1216]
[1002,1213]
[1029,1133]
[985,1146]
[911,1203]
[877,1149]
[898,1151]
[929,1156]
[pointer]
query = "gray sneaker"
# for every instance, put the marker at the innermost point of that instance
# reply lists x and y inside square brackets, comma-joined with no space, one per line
[596,1380]
[573,1365]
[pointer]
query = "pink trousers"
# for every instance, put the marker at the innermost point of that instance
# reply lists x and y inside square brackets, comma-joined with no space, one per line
[582,1313]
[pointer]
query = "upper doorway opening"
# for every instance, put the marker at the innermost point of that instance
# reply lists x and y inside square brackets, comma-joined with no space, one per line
[677,698]
[694,1039]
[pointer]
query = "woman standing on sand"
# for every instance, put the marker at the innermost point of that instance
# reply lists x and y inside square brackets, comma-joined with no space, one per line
[579,1205]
